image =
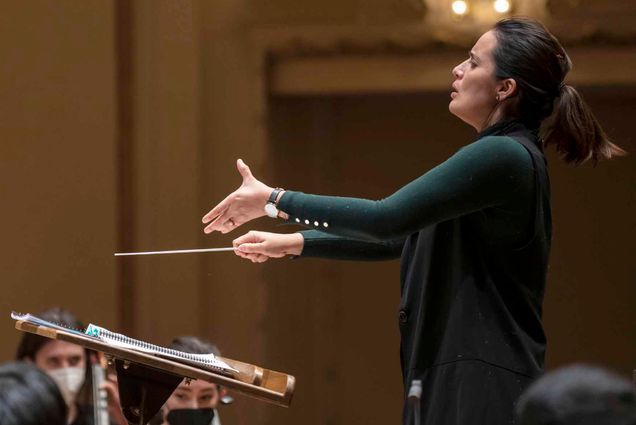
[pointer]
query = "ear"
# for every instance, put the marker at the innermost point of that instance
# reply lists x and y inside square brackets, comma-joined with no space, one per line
[506,89]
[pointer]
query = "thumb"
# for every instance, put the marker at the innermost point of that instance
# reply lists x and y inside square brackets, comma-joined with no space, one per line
[243,169]
[251,247]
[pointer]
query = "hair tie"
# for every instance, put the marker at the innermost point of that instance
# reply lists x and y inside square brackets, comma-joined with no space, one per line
[560,89]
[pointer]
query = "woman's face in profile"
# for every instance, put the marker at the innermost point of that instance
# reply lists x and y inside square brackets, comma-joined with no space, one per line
[475,87]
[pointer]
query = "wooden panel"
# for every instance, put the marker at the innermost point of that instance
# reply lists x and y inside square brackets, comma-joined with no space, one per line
[57,126]
[165,160]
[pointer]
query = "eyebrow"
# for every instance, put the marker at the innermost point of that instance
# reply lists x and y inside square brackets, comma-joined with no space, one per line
[473,56]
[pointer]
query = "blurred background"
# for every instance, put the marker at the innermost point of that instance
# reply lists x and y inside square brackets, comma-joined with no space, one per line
[120,123]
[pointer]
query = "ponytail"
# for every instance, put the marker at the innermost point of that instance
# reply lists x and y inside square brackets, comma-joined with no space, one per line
[575,132]
[534,58]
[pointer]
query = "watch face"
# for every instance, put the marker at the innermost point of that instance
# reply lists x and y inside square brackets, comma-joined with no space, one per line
[271,210]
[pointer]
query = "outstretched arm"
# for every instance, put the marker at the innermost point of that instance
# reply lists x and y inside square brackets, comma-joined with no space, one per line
[494,171]
[261,246]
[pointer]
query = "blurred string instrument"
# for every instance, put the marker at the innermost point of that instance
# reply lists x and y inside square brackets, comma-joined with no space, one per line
[100,397]
[147,373]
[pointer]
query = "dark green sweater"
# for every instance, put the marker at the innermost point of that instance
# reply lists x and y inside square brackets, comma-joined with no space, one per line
[492,176]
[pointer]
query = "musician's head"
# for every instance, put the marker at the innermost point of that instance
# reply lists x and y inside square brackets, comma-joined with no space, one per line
[29,396]
[194,402]
[65,362]
[578,395]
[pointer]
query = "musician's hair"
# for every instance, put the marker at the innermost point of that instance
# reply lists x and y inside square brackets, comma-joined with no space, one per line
[578,395]
[29,396]
[534,58]
[194,345]
[30,343]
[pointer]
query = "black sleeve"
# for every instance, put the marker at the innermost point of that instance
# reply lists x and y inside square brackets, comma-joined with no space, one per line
[325,245]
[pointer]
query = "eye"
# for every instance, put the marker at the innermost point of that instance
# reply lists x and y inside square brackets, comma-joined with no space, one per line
[53,362]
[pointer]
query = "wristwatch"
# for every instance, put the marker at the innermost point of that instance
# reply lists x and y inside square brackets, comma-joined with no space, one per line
[270,206]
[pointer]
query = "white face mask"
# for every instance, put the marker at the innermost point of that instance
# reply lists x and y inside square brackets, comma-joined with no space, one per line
[69,380]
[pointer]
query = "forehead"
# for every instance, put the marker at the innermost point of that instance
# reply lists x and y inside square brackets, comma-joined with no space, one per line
[60,349]
[197,386]
[483,47]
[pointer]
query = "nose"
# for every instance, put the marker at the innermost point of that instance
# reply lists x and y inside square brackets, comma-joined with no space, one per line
[458,71]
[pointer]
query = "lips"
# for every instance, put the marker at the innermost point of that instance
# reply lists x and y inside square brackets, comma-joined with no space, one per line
[455,91]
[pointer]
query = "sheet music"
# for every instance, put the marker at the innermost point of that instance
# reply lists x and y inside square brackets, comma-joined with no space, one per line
[205,361]
[208,361]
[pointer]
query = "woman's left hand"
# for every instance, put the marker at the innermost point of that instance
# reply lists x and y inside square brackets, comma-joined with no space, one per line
[244,204]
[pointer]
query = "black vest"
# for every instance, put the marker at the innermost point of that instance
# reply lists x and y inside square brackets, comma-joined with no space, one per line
[465,298]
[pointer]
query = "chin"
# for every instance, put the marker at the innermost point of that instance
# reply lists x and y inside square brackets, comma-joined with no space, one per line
[452,108]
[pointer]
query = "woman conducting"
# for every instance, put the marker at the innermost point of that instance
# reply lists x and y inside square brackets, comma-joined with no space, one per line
[473,233]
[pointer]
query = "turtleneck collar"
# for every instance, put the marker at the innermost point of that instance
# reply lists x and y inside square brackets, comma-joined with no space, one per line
[504,127]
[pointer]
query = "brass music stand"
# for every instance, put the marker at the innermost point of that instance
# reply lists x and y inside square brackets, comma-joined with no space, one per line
[145,381]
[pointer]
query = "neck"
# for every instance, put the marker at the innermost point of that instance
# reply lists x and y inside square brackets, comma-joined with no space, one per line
[493,117]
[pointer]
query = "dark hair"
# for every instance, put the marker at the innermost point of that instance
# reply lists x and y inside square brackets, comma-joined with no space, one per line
[30,343]
[534,58]
[29,396]
[578,395]
[187,344]
[194,345]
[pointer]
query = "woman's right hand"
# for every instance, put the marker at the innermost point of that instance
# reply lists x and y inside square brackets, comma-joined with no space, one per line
[244,204]
[261,246]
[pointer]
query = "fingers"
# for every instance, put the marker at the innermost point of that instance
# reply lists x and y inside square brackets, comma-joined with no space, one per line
[111,389]
[224,223]
[229,225]
[253,257]
[251,236]
[251,246]
[245,172]
[218,210]
[216,224]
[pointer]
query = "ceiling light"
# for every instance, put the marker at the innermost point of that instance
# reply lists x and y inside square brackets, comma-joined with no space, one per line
[460,7]
[501,6]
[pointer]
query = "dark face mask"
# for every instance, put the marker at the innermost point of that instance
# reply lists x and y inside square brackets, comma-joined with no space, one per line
[190,416]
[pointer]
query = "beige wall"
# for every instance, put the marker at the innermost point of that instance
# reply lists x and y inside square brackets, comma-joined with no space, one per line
[119,125]
[57,133]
